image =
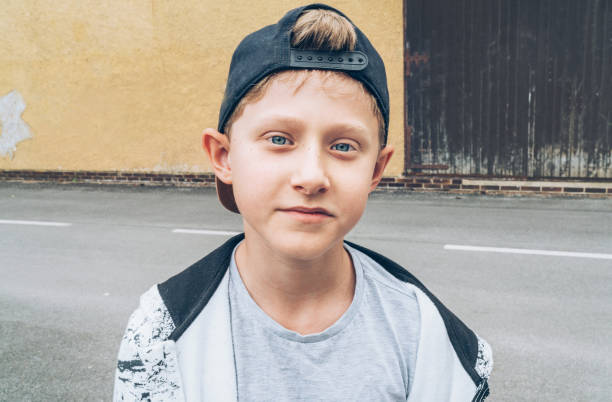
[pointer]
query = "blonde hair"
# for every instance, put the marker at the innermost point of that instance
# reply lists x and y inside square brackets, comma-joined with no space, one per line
[323,30]
[316,29]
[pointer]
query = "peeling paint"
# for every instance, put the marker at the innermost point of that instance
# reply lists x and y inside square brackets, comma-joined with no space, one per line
[14,129]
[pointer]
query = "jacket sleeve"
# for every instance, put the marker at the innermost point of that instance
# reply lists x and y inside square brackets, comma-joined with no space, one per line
[142,364]
[130,374]
[484,361]
[484,366]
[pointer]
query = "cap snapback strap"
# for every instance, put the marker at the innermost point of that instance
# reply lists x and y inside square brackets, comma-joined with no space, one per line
[349,61]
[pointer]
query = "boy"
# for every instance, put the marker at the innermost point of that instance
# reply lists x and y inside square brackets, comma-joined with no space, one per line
[289,310]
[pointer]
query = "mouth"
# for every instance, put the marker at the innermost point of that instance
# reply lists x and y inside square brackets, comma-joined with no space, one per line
[307,215]
[311,211]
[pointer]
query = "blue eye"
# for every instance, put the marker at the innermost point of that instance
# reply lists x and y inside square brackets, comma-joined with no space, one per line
[278,140]
[342,147]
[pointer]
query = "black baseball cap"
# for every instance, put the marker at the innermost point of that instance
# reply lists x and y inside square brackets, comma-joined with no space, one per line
[269,50]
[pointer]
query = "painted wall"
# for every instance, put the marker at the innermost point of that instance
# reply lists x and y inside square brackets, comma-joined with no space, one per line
[130,85]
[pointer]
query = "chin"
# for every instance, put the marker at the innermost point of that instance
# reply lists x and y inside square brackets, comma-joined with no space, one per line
[305,246]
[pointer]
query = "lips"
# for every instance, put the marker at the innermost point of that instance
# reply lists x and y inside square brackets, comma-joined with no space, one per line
[307,210]
[307,215]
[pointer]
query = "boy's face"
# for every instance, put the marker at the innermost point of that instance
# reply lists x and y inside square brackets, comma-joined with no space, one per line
[305,145]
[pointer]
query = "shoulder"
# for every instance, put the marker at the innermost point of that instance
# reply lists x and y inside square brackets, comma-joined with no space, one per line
[172,304]
[377,274]
[150,322]
[473,352]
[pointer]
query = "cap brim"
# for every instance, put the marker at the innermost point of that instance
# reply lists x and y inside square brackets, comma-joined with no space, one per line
[225,192]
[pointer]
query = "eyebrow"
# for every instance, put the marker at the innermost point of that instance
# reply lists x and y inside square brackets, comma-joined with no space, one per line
[282,120]
[349,127]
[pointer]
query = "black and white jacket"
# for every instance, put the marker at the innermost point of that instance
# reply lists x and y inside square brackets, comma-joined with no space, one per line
[452,364]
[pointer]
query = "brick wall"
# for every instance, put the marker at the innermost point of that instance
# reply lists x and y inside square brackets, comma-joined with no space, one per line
[491,186]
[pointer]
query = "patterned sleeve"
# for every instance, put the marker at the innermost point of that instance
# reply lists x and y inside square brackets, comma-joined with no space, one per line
[484,361]
[130,374]
[138,374]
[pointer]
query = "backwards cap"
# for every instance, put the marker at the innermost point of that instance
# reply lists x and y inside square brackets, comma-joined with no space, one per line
[269,50]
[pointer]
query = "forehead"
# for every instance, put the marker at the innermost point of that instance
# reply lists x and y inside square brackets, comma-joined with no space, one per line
[333,83]
[329,96]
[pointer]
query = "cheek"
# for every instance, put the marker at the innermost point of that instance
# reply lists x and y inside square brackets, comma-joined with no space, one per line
[354,188]
[357,175]
[253,178]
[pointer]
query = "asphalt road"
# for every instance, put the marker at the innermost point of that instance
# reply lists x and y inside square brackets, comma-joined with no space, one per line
[67,291]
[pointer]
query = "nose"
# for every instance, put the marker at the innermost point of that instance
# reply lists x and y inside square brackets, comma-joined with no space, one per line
[309,176]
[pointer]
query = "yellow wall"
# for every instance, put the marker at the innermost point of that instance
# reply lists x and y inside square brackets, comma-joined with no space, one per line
[130,85]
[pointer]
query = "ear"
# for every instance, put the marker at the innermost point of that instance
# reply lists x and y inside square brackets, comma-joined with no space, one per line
[217,148]
[384,156]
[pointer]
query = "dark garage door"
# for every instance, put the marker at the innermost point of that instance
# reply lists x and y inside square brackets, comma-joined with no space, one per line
[518,88]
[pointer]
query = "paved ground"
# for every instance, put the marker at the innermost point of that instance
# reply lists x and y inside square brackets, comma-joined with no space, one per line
[67,291]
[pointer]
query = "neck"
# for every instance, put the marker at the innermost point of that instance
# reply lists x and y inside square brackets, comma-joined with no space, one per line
[304,295]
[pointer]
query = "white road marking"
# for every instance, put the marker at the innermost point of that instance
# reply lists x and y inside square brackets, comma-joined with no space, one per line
[528,251]
[206,232]
[36,223]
